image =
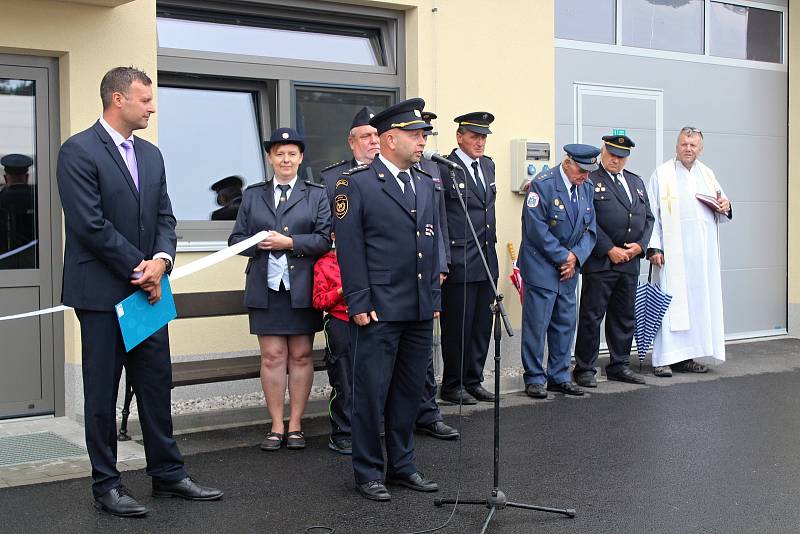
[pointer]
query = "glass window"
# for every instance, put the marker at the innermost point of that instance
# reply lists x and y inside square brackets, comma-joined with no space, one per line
[586,21]
[343,45]
[324,116]
[675,25]
[206,135]
[19,233]
[745,32]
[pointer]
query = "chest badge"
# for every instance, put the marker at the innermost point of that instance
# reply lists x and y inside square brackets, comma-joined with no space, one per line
[341,205]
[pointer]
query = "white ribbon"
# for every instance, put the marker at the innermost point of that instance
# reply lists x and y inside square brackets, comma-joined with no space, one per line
[18,249]
[177,273]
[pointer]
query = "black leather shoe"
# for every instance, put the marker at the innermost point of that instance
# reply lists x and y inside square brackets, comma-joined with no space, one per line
[415,481]
[439,430]
[185,489]
[567,388]
[480,393]
[535,391]
[341,445]
[374,490]
[117,501]
[626,375]
[458,396]
[586,380]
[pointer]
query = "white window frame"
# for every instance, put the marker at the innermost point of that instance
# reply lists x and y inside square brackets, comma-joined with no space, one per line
[705,57]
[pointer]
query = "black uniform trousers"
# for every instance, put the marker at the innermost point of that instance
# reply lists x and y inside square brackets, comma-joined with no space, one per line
[390,359]
[473,308]
[149,370]
[339,364]
[613,294]
[429,412]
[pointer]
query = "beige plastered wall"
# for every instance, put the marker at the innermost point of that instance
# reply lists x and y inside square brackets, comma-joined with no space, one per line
[87,40]
[794,172]
[511,74]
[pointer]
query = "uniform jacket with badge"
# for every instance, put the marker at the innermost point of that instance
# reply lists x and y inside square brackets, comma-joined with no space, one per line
[482,213]
[619,221]
[549,231]
[331,174]
[111,226]
[387,254]
[306,218]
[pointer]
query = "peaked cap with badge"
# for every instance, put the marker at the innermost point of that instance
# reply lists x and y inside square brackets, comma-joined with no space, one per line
[584,155]
[362,118]
[477,121]
[405,115]
[16,163]
[618,145]
[285,136]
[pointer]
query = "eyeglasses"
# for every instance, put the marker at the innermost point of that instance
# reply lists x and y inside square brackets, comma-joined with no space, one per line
[691,130]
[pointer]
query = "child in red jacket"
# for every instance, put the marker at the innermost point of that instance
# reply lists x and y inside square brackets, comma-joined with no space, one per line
[329,297]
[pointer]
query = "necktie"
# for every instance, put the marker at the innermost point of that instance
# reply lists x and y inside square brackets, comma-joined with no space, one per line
[408,191]
[279,209]
[130,161]
[573,196]
[618,181]
[478,180]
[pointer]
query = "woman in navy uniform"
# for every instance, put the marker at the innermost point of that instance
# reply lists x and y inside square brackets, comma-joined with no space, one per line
[280,276]
[385,220]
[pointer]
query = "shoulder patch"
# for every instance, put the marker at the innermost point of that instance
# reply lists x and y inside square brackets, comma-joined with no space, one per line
[341,181]
[357,168]
[259,184]
[340,206]
[332,165]
[314,184]
[533,199]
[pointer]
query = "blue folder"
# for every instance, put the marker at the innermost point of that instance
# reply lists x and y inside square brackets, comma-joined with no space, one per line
[138,319]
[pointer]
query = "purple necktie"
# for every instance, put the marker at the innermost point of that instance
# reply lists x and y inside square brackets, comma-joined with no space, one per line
[130,161]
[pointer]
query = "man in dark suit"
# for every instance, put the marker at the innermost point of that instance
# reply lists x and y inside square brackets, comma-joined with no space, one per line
[558,234]
[364,144]
[467,293]
[385,218]
[624,225]
[120,237]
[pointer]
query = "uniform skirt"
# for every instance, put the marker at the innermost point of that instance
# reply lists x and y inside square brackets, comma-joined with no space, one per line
[280,319]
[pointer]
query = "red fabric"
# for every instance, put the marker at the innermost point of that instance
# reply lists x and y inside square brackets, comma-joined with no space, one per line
[327,282]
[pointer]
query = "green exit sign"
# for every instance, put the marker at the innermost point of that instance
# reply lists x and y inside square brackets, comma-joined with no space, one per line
[618,131]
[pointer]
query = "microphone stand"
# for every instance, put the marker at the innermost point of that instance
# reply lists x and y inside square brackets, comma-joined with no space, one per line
[497,498]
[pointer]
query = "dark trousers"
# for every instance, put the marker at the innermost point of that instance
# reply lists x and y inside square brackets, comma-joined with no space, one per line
[150,374]
[550,314]
[390,360]
[613,294]
[429,412]
[339,364]
[465,316]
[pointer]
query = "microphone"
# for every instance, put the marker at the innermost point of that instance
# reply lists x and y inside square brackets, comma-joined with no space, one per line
[432,155]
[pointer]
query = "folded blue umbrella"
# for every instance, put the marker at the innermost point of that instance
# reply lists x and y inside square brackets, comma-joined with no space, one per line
[651,306]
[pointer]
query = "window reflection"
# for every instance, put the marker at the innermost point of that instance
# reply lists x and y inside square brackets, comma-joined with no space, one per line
[586,21]
[18,204]
[675,25]
[207,136]
[324,117]
[745,32]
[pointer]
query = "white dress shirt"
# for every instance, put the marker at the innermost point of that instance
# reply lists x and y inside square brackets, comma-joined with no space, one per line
[395,170]
[624,182]
[468,163]
[278,268]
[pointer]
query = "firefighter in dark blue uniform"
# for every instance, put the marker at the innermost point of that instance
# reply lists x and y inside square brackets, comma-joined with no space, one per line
[18,214]
[558,234]
[385,223]
[624,225]
[467,293]
[364,144]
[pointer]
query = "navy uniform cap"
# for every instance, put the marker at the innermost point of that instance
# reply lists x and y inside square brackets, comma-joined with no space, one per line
[619,145]
[405,115]
[16,163]
[477,121]
[584,155]
[428,116]
[285,136]
[362,118]
[228,181]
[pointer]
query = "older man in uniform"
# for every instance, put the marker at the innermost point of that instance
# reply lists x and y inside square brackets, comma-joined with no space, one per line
[467,293]
[364,144]
[624,225]
[385,222]
[558,234]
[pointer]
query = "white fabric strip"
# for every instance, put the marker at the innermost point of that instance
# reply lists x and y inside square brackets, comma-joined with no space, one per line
[177,273]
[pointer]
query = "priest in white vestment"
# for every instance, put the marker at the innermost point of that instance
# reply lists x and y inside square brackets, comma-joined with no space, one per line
[685,249]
